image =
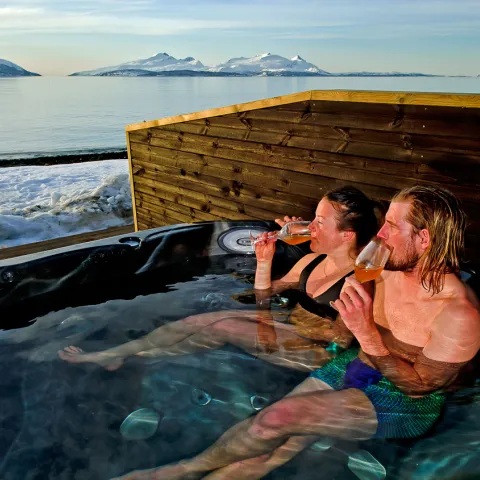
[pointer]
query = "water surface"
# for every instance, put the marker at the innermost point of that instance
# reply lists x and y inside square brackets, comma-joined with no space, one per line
[55,115]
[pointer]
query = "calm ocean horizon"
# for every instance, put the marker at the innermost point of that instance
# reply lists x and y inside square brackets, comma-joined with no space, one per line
[42,116]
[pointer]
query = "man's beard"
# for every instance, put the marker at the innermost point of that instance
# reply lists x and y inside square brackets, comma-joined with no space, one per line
[406,264]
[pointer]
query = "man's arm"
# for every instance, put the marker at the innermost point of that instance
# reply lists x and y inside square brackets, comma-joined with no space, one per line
[454,340]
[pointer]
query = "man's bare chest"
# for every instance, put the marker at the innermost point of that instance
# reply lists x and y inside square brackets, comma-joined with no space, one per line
[408,320]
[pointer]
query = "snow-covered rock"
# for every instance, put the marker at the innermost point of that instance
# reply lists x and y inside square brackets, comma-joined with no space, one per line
[10,69]
[44,202]
[268,63]
[158,63]
[259,65]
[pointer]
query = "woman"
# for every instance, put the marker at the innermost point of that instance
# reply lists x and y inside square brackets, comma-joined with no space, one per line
[345,221]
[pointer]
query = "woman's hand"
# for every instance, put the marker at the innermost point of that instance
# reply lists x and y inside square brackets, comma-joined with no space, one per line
[355,306]
[265,247]
[287,219]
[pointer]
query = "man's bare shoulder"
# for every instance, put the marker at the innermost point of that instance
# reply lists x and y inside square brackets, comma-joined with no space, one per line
[457,328]
[460,303]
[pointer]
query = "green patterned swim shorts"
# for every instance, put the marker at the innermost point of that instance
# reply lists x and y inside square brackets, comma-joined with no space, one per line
[398,415]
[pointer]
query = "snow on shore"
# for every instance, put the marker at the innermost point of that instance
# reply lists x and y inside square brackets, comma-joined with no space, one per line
[45,202]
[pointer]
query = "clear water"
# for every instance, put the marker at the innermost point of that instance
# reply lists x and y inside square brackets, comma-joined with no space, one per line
[53,115]
[63,421]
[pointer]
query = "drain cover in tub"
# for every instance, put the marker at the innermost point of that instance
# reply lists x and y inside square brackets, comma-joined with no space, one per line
[140,424]
[237,240]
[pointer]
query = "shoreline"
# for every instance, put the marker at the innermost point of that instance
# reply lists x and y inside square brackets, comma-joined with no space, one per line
[64,159]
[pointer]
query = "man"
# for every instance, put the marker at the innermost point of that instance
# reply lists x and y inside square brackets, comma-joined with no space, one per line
[421,328]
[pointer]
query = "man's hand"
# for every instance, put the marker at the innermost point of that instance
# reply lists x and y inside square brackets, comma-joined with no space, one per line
[287,219]
[356,308]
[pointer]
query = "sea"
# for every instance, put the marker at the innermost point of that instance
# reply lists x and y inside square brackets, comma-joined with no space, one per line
[48,116]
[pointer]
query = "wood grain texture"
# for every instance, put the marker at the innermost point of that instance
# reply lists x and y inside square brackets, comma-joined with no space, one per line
[279,156]
[61,242]
[131,176]
[391,98]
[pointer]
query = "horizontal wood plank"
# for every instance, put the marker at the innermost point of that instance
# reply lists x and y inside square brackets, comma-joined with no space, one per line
[367,97]
[392,123]
[166,217]
[243,175]
[274,203]
[437,156]
[288,182]
[225,209]
[61,242]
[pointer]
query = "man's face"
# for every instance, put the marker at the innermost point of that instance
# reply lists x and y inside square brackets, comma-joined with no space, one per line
[398,234]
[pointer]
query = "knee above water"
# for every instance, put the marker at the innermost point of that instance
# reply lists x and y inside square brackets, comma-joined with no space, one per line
[277,416]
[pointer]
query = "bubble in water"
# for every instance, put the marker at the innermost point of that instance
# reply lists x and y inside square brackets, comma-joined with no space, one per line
[258,403]
[216,301]
[365,466]
[322,444]
[140,424]
[200,397]
[75,324]
[8,276]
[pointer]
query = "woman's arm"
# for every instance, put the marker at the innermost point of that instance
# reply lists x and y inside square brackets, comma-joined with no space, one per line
[263,274]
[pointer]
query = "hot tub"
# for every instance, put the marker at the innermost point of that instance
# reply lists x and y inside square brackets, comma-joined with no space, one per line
[64,421]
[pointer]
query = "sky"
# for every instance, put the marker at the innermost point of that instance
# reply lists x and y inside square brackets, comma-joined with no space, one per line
[59,37]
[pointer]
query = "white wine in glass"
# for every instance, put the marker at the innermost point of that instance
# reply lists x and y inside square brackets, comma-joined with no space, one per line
[371,260]
[292,233]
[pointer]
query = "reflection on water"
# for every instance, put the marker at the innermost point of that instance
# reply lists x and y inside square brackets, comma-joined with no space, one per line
[365,466]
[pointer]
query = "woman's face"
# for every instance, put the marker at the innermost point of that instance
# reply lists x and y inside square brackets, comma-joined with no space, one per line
[326,237]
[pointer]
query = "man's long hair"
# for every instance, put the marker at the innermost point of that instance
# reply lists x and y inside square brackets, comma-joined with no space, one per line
[438,211]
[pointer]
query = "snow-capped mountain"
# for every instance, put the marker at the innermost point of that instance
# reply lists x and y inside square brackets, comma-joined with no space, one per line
[267,63]
[162,62]
[10,69]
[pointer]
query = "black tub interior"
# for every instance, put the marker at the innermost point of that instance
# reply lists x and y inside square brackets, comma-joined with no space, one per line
[62,421]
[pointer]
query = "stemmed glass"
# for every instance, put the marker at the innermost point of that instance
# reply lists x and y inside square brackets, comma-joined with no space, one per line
[292,233]
[371,260]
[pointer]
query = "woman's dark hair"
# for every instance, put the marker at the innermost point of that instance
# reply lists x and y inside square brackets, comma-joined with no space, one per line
[358,213]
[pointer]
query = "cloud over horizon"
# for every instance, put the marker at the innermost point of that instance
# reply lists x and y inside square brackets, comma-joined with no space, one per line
[215,30]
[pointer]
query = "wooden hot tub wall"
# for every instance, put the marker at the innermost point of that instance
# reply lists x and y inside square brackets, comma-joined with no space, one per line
[278,156]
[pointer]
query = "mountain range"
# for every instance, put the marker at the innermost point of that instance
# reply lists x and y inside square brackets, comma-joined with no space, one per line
[267,64]
[163,64]
[9,69]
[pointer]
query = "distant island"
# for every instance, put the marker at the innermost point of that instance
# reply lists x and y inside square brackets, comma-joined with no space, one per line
[265,65]
[164,65]
[10,69]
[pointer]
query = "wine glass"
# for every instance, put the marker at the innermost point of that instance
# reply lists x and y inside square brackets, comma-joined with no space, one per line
[371,260]
[292,233]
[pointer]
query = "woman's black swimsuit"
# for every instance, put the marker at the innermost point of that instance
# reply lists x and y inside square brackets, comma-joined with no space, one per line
[319,305]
